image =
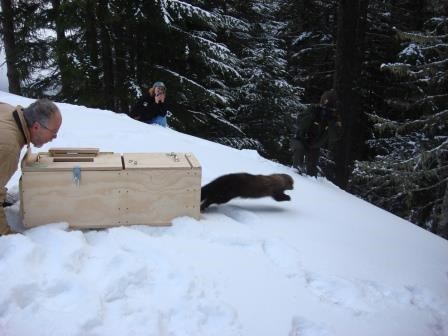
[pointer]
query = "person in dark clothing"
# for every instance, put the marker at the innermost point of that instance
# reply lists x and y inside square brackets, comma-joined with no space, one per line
[318,125]
[151,108]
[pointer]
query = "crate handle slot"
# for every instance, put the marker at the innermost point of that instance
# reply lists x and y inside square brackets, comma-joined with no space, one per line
[73,159]
[73,152]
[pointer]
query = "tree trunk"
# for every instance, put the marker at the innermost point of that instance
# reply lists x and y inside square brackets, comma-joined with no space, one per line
[350,36]
[120,67]
[106,55]
[61,44]
[10,47]
[442,225]
[140,74]
[92,49]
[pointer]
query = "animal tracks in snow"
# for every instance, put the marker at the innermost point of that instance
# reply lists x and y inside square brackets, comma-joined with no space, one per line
[239,214]
[302,327]
[361,297]
[285,257]
[103,275]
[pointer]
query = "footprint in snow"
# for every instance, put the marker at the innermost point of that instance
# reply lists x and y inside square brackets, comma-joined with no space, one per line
[285,257]
[239,214]
[303,327]
[26,294]
[361,297]
[343,292]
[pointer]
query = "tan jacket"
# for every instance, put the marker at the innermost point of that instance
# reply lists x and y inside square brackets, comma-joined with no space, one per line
[12,140]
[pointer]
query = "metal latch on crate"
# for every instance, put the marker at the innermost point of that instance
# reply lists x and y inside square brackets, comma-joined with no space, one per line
[173,156]
[77,175]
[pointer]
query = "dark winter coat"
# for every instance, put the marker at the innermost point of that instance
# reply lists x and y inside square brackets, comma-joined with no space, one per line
[146,109]
[316,126]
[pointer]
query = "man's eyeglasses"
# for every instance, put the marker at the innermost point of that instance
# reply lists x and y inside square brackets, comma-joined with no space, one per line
[55,132]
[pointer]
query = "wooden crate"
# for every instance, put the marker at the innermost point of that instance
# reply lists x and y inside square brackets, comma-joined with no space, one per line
[92,189]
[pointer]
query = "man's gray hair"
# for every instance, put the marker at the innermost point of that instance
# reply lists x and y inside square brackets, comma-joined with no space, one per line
[42,110]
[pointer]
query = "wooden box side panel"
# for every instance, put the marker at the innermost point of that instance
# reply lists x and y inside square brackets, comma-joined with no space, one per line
[110,198]
[158,196]
[49,197]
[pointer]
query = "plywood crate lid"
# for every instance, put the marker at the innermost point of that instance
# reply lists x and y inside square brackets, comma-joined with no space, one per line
[46,162]
[160,161]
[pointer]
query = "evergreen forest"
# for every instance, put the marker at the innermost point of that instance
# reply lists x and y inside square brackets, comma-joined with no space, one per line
[239,72]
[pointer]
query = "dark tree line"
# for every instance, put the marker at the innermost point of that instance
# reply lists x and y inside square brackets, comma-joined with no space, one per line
[238,72]
[408,170]
[393,98]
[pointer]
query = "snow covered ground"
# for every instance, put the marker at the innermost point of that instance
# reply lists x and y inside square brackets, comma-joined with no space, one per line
[326,263]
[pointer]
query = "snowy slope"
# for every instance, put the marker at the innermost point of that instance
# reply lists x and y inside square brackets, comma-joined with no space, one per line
[326,263]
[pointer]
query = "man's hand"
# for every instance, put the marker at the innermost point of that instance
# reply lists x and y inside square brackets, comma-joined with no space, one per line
[159,95]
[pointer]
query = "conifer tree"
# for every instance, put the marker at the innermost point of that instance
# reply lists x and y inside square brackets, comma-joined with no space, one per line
[269,102]
[310,33]
[409,173]
[9,42]
[29,49]
[204,71]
